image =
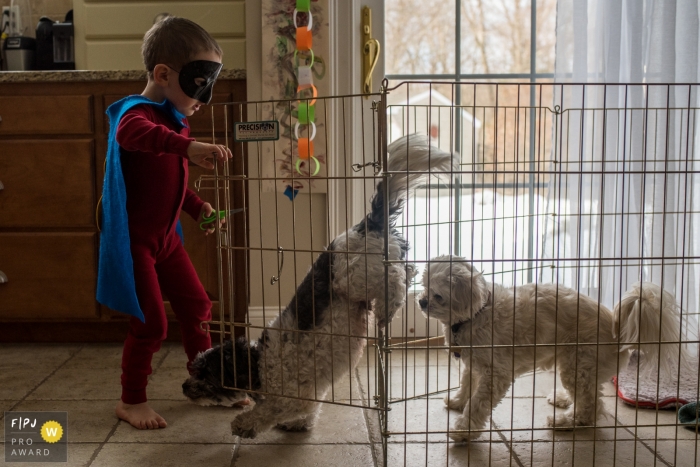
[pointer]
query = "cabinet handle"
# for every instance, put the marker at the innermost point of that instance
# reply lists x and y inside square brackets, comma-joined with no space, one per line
[2,187]
[3,278]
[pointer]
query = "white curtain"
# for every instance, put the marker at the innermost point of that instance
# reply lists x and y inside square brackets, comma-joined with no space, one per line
[625,199]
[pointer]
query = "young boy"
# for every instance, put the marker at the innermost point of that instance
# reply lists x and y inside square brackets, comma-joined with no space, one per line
[144,190]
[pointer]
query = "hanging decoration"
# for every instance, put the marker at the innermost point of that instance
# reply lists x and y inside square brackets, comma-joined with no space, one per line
[306,109]
[295,42]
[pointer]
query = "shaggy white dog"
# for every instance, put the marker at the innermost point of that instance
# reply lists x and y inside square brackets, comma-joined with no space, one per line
[320,336]
[505,332]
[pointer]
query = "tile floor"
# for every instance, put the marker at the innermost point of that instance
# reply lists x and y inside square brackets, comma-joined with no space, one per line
[84,381]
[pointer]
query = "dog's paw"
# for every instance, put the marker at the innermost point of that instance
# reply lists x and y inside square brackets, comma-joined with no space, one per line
[454,403]
[560,399]
[244,429]
[295,425]
[461,432]
[564,422]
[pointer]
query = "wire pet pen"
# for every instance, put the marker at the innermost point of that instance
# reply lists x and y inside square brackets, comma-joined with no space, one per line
[593,187]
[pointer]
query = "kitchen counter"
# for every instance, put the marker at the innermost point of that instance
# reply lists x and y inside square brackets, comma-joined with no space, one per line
[91,75]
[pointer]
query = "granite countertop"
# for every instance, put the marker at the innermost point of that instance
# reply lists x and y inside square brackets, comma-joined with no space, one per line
[88,75]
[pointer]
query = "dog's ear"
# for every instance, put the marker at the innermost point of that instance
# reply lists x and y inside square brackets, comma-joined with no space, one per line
[246,355]
[468,289]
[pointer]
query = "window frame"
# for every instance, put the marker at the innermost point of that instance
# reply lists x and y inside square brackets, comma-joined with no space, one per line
[458,77]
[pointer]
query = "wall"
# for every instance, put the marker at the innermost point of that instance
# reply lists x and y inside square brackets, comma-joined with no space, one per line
[54,9]
[271,214]
[108,34]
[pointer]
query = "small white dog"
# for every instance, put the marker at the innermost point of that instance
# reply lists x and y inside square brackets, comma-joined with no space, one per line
[319,337]
[505,332]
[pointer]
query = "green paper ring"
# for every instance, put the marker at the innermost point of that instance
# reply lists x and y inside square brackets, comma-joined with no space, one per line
[296,59]
[318,166]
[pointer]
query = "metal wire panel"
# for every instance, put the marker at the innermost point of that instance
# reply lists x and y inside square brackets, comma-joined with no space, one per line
[592,187]
[589,187]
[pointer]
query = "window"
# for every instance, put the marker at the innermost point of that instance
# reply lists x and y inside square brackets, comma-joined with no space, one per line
[453,55]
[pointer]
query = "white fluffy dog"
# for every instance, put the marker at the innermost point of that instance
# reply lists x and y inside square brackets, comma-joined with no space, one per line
[320,336]
[505,332]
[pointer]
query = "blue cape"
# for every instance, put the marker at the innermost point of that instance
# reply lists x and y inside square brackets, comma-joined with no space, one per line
[116,287]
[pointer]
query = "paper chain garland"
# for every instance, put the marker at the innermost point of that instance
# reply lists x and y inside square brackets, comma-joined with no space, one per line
[306,113]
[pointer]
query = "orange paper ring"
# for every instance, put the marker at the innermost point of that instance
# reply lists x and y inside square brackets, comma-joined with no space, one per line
[306,148]
[318,166]
[303,38]
[314,93]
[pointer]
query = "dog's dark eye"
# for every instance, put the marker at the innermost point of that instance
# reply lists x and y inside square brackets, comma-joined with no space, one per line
[437,297]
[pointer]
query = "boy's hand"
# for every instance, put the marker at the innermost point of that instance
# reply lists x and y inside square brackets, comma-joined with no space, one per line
[201,153]
[207,211]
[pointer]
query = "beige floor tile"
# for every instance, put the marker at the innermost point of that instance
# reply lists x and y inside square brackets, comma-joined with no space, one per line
[88,421]
[79,455]
[35,355]
[166,383]
[544,385]
[16,383]
[187,423]
[479,454]
[4,406]
[526,419]
[681,453]
[652,424]
[584,453]
[164,454]
[419,416]
[336,425]
[325,455]
[419,381]
[175,358]
[80,384]
[97,356]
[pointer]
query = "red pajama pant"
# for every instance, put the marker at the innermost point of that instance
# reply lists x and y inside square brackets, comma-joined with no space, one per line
[162,264]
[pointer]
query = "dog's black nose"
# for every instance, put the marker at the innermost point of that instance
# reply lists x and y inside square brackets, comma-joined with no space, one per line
[423,302]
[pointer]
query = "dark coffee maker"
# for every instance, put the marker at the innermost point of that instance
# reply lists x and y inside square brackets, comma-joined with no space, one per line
[43,58]
[55,47]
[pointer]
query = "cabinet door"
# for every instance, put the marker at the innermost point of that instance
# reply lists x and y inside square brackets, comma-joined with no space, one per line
[50,276]
[50,115]
[47,183]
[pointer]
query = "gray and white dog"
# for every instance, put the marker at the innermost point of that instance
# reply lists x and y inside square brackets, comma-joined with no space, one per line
[506,332]
[319,337]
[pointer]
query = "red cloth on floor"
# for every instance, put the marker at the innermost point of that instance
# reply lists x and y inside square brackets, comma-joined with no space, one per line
[154,164]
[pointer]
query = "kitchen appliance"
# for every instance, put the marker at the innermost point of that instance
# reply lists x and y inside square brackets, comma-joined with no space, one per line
[63,46]
[19,53]
[19,47]
[55,44]
[44,44]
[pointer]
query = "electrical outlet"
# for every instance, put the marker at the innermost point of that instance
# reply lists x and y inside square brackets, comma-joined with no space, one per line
[5,21]
[15,19]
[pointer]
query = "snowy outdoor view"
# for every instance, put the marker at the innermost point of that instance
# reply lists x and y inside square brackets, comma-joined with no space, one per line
[500,213]
[505,208]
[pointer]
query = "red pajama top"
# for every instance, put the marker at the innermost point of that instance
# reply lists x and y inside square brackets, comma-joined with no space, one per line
[154,164]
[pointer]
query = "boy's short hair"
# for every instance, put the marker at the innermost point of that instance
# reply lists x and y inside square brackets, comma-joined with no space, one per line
[174,42]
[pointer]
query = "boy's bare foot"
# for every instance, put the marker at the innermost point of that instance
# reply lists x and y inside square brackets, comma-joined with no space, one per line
[140,416]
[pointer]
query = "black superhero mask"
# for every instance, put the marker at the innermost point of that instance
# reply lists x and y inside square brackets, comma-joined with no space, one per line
[197,79]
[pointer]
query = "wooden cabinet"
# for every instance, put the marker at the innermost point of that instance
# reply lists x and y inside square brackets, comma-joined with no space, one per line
[48,183]
[52,276]
[53,138]
[46,115]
